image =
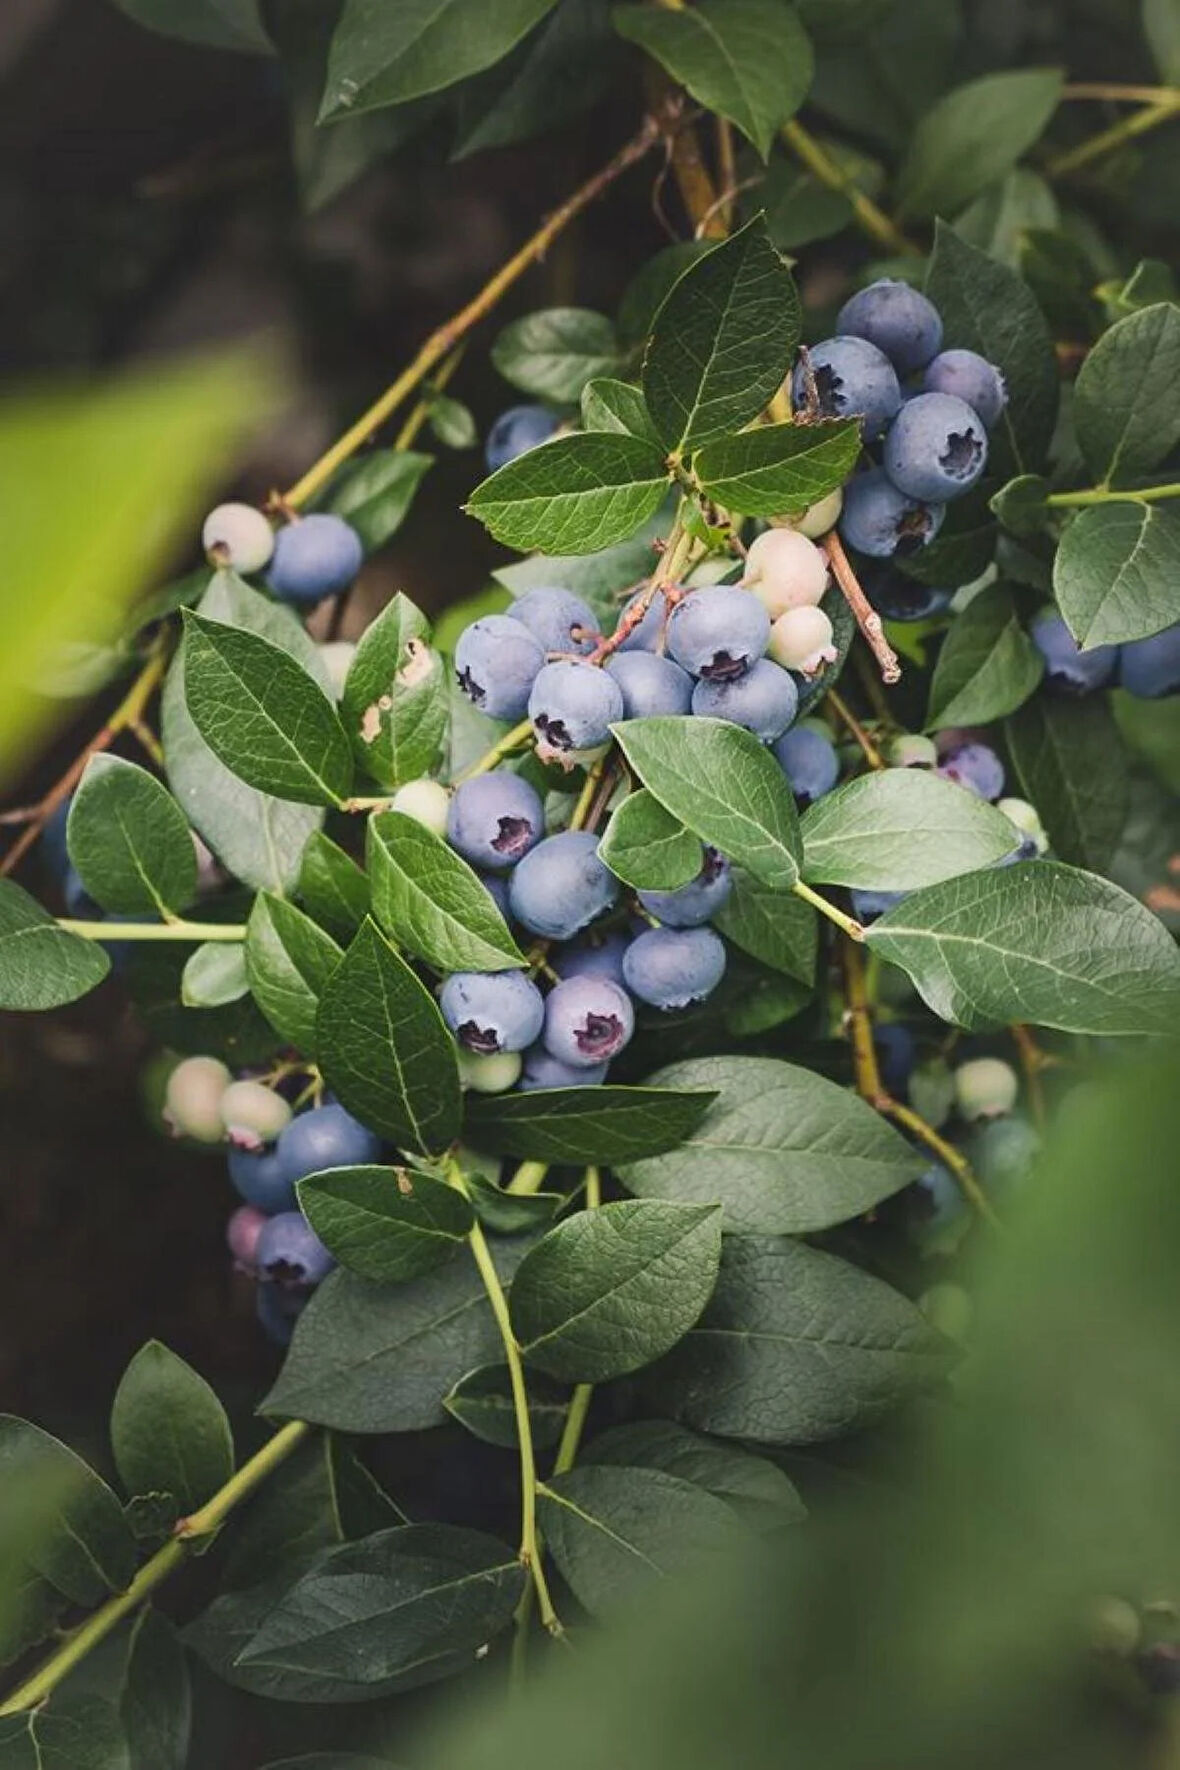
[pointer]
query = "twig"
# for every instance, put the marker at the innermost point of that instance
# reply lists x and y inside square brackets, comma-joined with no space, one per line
[726,172]
[1033,1062]
[867,618]
[869,218]
[421,412]
[1107,140]
[847,717]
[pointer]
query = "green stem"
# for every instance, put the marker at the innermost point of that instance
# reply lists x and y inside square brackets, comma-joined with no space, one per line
[853,929]
[154,930]
[1105,495]
[154,1572]
[871,220]
[528,1178]
[512,740]
[1107,140]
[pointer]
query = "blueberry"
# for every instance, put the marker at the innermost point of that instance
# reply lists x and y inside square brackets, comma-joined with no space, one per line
[278,1310]
[899,598]
[911,749]
[717,632]
[572,707]
[985,1088]
[588,1020]
[497,890]
[325,1137]
[541,1070]
[253,1114]
[1003,1150]
[291,1254]
[241,1235]
[941,1207]
[819,519]
[558,620]
[592,958]
[426,801]
[936,447]
[671,967]
[494,819]
[647,634]
[1150,667]
[516,431]
[314,557]
[192,1098]
[853,379]
[868,905]
[491,1011]
[969,377]
[695,902]
[496,663]
[976,767]
[238,535]
[896,1055]
[802,639]
[784,569]
[1067,667]
[879,520]
[809,761]
[650,684]
[1027,821]
[489,1073]
[261,1178]
[898,319]
[764,700]
[561,886]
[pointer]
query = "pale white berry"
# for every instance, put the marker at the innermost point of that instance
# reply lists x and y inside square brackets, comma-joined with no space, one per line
[801,639]
[489,1073]
[253,1114]
[1026,817]
[911,749]
[337,655]
[785,570]
[985,1088]
[426,801]
[238,535]
[820,519]
[192,1099]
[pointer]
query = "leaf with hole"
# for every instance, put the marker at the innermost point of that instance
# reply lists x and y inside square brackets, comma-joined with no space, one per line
[395,701]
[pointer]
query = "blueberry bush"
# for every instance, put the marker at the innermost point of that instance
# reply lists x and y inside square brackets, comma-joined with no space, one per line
[627,1024]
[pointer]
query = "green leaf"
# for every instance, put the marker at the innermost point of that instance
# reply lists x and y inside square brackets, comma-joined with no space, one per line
[609,1290]
[155,1702]
[1070,761]
[724,786]
[651,285]
[129,840]
[386,1052]
[723,341]
[552,354]
[331,1761]
[1126,423]
[394,705]
[576,494]
[785,1151]
[900,829]
[380,1358]
[387,1224]
[988,666]
[755,1487]
[452,422]
[973,136]
[986,307]
[289,962]
[259,839]
[61,1523]
[332,888]
[41,965]
[1116,575]
[647,847]
[401,1608]
[800,208]
[616,405]
[512,1213]
[1161,27]
[216,24]
[613,1531]
[1001,217]
[1022,504]
[797,1347]
[748,60]
[430,900]
[560,71]
[774,927]
[169,1432]
[214,974]
[384,55]
[263,716]
[779,469]
[483,1402]
[375,493]
[885,67]
[79,1732]
[605,1124]
[1037,942]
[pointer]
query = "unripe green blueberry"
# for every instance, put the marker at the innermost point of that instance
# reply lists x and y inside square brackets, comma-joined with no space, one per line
[819,519]
[239,536]
[337,655]
[426,801]
[985,1088]
[491,1074]
[785,570]
[909,749]
[932,1091]
[253,1114]
[192,1099]
[948,1308]
[801,639]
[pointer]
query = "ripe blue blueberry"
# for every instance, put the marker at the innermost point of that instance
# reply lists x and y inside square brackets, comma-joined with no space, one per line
[494,819]
[695,902]
[573,705]
[896,1055]
[900,598]
[1150,668]
[492,1011]
[898,319]
[868,905]
[558,620]
[879,520]
[718,631]
[290,1253]
[278,1309]
[262,1179]
[764,700]
[544,1071]
[497,890]
[936,447]
[588,1020]
[516,431]
[649,684]
[561,886]
[853,379]
[648,633]
[317,556]
[976,767]
[496,663]
[325,1137]
[589,957]
[671,967]
[969,377]
[940,1220]
[1067,667]
[809,761]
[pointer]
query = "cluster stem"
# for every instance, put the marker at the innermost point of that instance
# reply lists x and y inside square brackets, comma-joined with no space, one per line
[867,618]
[872,221]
